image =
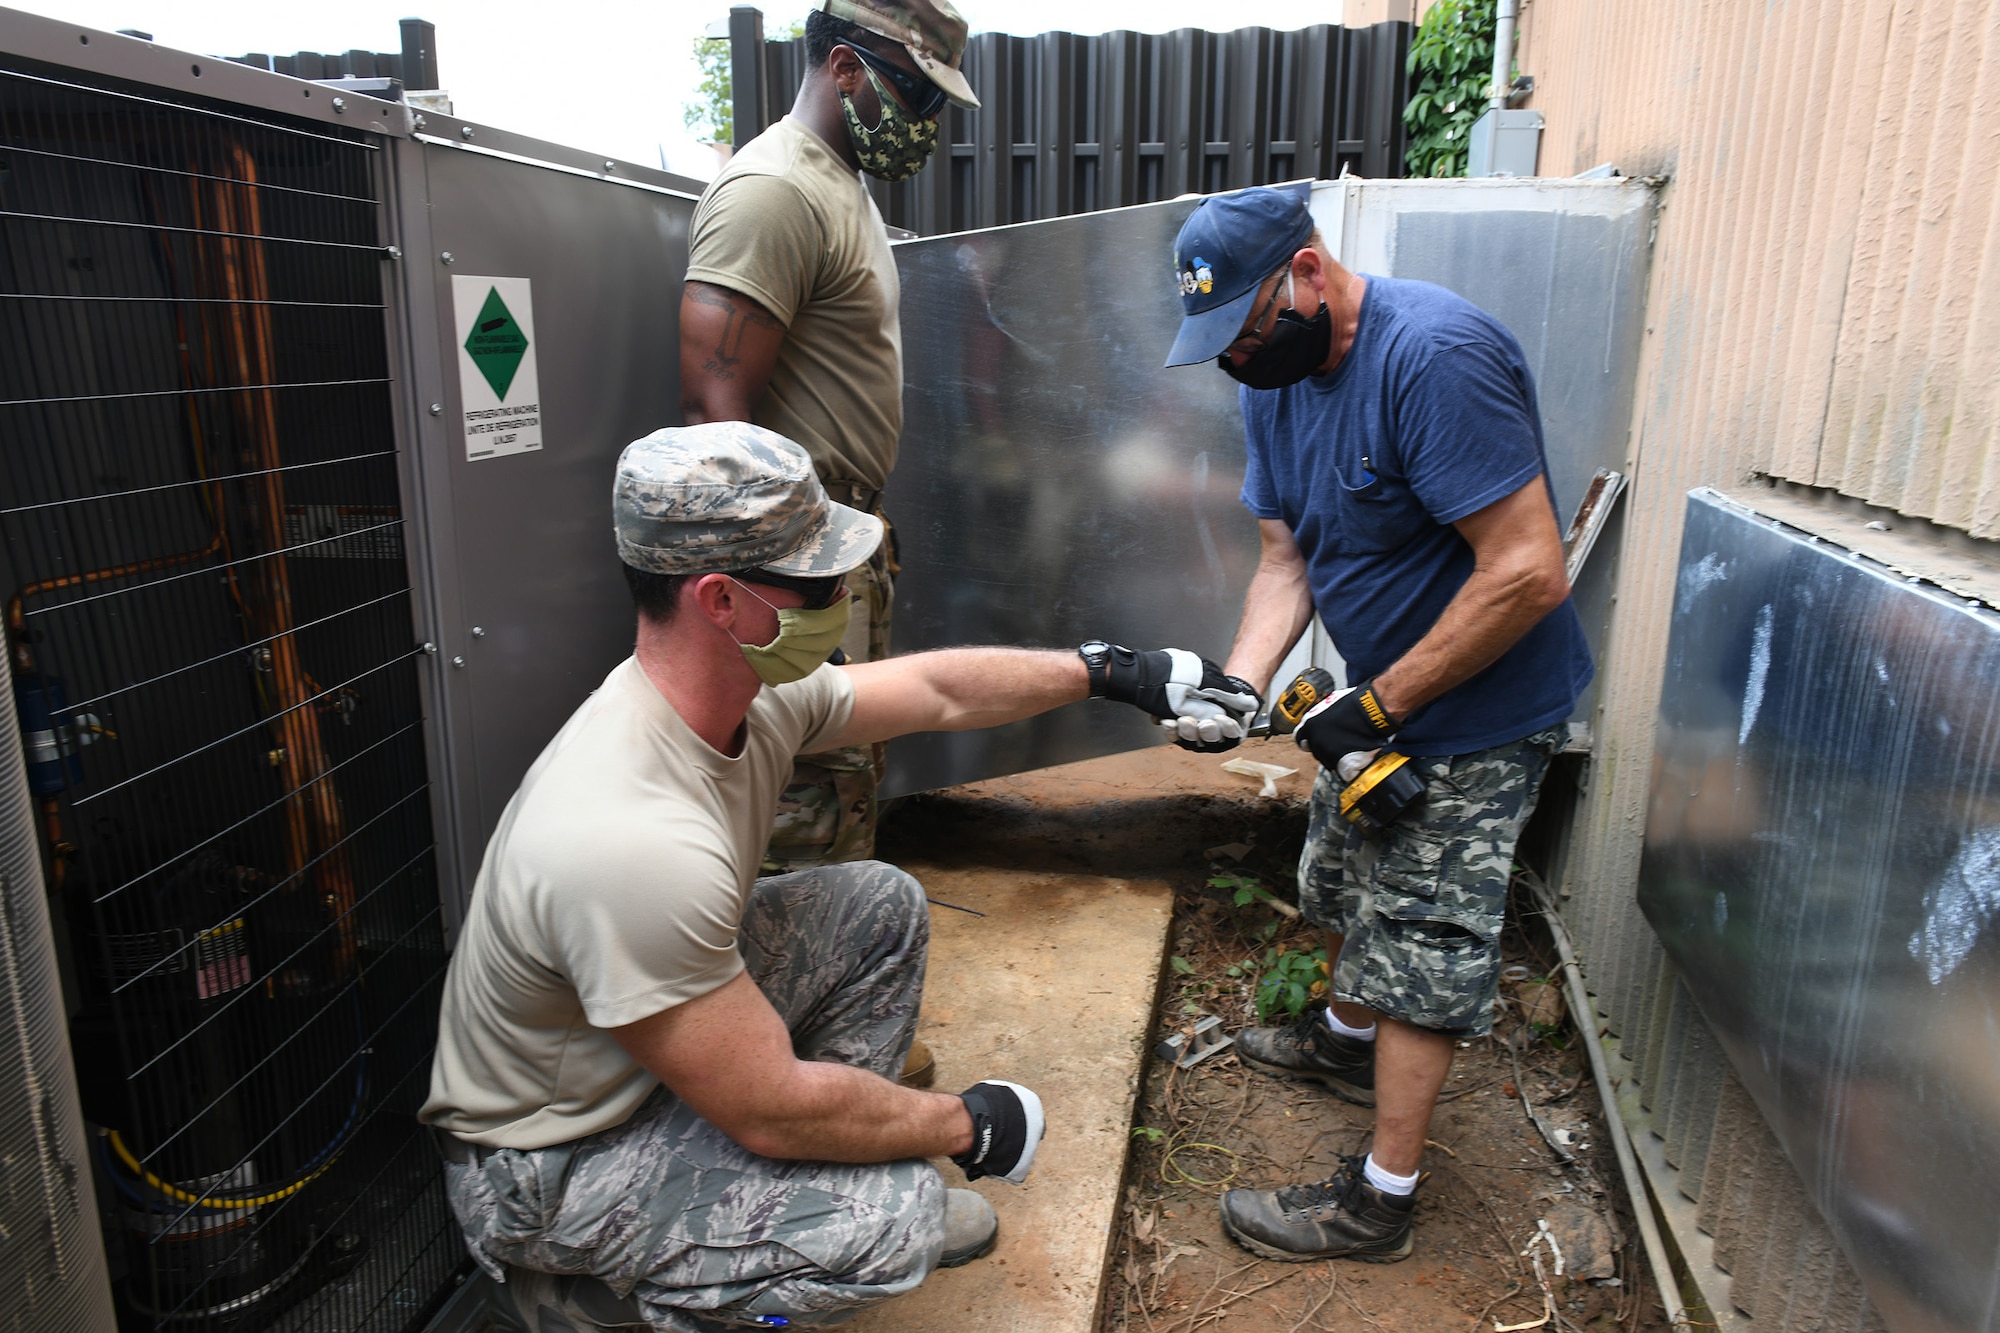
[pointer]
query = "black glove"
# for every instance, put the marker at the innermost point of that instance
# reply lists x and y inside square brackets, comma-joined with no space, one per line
[1006,1129]
[1344,723]
[1198,706]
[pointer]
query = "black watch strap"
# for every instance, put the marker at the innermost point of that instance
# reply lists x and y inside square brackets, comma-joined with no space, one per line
[1096,656]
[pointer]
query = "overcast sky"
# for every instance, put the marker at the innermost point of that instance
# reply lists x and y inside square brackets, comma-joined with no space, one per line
[610,76]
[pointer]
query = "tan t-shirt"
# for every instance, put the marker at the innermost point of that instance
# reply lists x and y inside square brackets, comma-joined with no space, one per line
[793,228]
[611,890]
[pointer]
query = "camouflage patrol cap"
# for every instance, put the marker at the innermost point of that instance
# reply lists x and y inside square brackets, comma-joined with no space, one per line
[930,30]
[728,496]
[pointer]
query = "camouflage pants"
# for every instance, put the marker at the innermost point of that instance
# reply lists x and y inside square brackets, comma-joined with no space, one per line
[827,812]
[1421,907]
[688,1229]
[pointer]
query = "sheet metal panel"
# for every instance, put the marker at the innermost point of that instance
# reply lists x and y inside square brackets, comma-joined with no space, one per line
[527,608]
[1822,856]
[1055,483]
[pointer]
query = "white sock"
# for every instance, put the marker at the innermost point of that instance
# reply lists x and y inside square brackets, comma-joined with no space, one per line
[1387,1181]
[1359,1034]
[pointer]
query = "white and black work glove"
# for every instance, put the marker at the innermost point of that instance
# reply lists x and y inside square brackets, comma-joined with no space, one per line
[1198,706]
[1006,1129]
[1345,723]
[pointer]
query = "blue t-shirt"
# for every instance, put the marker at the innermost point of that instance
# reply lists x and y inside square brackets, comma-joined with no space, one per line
[1429,417]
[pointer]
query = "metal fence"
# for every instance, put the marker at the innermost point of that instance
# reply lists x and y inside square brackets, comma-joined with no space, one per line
[1072,124]
[416,64]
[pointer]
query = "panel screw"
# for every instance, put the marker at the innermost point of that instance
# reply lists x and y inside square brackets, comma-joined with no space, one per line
[347,1242]
[340,104]
[276,757]
[437,409]
[478,632]
[609,165]
[430,647]
[458,661]
[392,251]
[446,256]
[465,131]
[421,122]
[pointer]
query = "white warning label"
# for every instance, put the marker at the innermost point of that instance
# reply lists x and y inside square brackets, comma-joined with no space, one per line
[497,383]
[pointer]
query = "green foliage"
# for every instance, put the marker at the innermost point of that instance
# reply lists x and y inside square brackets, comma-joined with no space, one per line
[1148,1133]
[1452,59]
[711,117]
[1292,977]
[1244,888]
[1182,965]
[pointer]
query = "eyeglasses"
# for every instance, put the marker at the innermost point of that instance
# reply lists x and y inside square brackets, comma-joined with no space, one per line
[1250,343]
[819,593]
[924,98]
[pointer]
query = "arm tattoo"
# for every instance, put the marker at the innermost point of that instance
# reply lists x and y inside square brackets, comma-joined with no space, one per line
[741,313]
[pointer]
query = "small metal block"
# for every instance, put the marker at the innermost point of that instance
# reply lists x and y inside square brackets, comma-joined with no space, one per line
[1191,1048]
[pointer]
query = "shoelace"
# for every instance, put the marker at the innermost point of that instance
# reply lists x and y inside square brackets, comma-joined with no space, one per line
[1337,1189]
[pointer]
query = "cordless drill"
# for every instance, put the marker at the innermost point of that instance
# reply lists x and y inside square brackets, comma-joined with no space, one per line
[1380,786]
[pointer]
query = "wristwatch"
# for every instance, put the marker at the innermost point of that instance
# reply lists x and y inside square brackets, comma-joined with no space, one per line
[1096,656]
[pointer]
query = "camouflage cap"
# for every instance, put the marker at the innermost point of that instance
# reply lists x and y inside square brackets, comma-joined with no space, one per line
[728,496]
[930,30]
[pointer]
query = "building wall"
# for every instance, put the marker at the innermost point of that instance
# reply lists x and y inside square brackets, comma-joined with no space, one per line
[1825,295]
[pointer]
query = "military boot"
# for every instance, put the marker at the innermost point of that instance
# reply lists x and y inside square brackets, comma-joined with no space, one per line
[1308,1049]
[1342,1217]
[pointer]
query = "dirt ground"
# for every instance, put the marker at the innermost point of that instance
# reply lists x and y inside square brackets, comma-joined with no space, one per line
[1493,1178]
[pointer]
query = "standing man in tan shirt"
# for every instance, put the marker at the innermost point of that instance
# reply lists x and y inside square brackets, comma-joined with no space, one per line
[789,320]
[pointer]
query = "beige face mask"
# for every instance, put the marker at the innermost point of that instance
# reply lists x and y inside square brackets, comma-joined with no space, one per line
[805,639]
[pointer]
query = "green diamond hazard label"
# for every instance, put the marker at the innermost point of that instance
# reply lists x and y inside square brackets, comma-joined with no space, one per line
[494,321]
[496,344]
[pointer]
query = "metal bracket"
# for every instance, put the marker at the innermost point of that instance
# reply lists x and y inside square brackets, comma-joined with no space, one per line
[1190,1048]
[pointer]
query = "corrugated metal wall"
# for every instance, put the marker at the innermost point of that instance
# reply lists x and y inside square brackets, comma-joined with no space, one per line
[1071,124]
[1825,295]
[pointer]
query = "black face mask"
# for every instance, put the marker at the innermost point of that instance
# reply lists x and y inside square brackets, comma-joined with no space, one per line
[1296,348]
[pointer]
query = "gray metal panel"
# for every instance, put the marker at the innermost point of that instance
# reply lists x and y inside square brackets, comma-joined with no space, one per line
[522,544]
[1055,483]
[53,1258]
[1821,861]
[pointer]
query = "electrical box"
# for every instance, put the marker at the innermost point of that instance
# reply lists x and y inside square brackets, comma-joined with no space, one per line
[1504,143]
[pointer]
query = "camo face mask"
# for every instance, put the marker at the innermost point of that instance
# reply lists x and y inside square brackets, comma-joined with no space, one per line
[899,144]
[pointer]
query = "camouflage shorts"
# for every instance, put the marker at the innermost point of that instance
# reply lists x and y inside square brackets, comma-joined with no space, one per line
[826,813]
[698,1233]
[1422,906]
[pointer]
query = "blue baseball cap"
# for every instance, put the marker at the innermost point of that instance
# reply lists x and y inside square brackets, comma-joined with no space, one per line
[1227,247]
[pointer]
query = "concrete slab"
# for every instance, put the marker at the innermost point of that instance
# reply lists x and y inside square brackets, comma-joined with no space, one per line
[1052,988]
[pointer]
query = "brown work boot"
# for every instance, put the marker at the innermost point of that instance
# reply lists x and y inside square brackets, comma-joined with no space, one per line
[1308,1049]
[1341,1217]
[919,1069]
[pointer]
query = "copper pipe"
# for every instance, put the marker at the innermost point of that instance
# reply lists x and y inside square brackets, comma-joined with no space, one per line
[314,822]
[17,618]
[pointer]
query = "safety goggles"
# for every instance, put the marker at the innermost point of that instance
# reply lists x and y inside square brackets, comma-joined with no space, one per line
[818,593]
[924,98]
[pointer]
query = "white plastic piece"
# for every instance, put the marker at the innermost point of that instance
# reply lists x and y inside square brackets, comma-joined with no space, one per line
[1251,768]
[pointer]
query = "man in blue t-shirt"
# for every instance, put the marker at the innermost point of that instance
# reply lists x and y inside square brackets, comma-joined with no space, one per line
[1397,475]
